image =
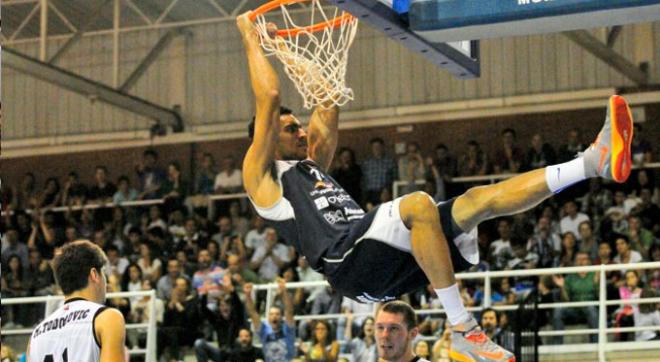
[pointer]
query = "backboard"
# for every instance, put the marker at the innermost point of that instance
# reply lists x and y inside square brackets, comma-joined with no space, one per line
[461,58]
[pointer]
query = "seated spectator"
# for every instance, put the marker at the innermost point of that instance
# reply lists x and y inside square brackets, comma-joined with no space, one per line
[570,149]
[422,350]
[191,240]
[568,249]
[322,346]
[522,258]
[588,241]
[625,254]
[151,175]
[225,230]
[353,307]
[240,223]
[596,200]
[509,157]
[124,191]
[327,301]
[227,320]
[243,349]
[121,304]
[239,272]
[573,218]
[363,346]
[208,277]
[641,239]
[116,262]
[444,162]
[150,265]
[442,346]
[411,167]
[229,180]
[205,175]
[307,274]
[624,315]
[40,275]
[578,287]
[500,250]
[50,196]
[504,294]
[44,233]
[268,260]
[12,246]
[74,192]
[277,336]
[647,314]
[155,218]
[140,313]
[103,190]
[474,162]
[14,285]
[26,195]
[132,280]
[348,173]
[642,151]
[544,243]
[232,246]
[648,211]
[180,321]
[539,155]
[256,237]
[174,188]
[166,282]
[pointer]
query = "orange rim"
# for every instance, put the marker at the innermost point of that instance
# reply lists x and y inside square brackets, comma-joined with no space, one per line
[271,5]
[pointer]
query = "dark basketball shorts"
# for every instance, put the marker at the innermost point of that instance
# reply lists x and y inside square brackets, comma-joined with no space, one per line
[373,261]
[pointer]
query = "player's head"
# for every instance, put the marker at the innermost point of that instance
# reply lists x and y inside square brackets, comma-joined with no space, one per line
[80,267]
[396,327]
[291,139]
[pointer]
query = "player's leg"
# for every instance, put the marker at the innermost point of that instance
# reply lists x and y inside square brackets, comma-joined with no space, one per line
[608,157]
[431,250]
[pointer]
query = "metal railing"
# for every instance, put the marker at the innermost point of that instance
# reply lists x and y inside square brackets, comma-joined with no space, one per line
[54,301]
[601,347]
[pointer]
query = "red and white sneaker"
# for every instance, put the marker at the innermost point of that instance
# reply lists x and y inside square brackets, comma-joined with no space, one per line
[470,344]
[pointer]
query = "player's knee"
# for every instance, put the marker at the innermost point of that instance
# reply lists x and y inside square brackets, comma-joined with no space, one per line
[418,205]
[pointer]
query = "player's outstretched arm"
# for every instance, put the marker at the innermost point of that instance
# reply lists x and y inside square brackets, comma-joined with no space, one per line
[323,134]
[110,331]
[258,161]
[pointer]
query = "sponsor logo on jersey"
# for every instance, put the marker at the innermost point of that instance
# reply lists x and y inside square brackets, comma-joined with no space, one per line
[323,185]
[321,192]
[339,198]
[321,203]
[334,217]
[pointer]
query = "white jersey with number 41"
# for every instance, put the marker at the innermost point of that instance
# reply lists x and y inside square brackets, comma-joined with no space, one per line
[67,335]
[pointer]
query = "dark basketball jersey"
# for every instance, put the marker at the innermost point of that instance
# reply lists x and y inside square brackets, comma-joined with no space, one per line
[314,213]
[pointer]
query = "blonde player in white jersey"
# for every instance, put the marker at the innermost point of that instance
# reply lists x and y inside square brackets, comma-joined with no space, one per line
[83,329]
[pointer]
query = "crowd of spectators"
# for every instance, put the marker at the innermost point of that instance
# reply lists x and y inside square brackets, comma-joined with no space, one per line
[203,262]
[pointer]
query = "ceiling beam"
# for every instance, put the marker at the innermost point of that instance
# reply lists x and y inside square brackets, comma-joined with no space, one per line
[613,35]
[90,88]
[149,59]
[96,12]
[601,51]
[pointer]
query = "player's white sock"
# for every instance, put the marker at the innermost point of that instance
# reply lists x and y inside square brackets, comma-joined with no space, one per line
[559,177]
[450,298]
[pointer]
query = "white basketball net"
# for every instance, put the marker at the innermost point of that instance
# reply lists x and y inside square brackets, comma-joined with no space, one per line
[314,61]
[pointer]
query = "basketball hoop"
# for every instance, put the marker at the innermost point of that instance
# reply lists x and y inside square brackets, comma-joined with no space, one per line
[314,55]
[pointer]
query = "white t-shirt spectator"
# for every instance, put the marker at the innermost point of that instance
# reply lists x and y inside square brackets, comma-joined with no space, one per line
[224,180]
[268,269]
[255,239]
[500,252]
[635,257]
[120,267]
[567,224]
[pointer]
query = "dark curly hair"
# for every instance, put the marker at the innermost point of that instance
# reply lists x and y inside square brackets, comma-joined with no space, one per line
[73,264]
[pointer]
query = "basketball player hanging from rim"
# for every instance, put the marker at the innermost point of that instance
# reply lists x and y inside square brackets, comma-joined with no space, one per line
[404,244]
[83,329]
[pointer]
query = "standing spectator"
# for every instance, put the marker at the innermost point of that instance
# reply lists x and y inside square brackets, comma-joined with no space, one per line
[411,167]
[227,321]
[362,347]
[43,235]
[74,192]
[229,180]
[180,322]
[174,188]
[588,241]
[540,154]
[151,175]
[578,287]
[445,162]
[323,347]
[474,162]
[166,282]
[26,196]
[205,176]
[501,250]
[124,191]
[40,279]
[348,173]
[103,190]
[568,150]
[378,172]
[278,336]
[268,260]
[642,152]
[625,254]
[509,158]
[573,218]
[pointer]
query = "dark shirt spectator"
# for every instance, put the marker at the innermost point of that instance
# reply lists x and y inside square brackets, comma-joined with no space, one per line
[180,321]
[103,190]
[474,162]
[642,151]
[539,155]
[12,246]
[348,173]
[40,275]
[151,175]
[205,175]
[509,158]
[378,172]
[50,196]
[74,192]
[243,350]
[570,149]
